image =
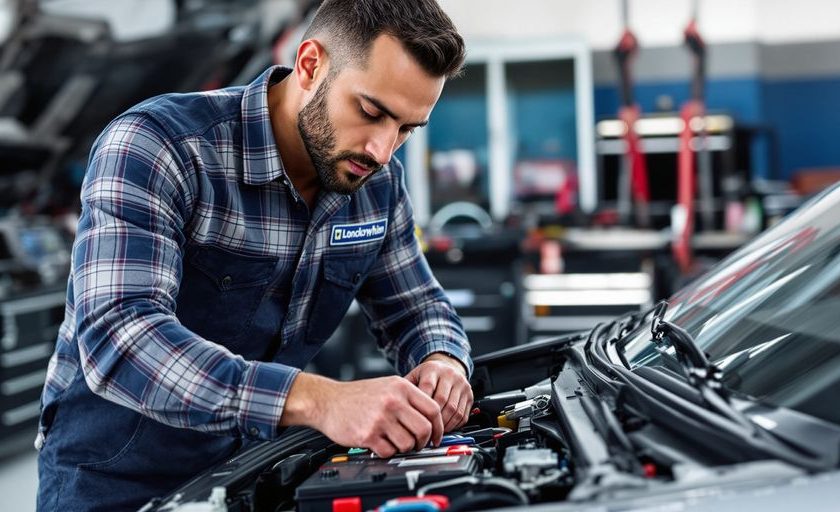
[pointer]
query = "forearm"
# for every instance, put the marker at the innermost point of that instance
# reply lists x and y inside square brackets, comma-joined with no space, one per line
[146,360]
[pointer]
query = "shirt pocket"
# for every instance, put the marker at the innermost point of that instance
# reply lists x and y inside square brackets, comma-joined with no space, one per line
[220,292]
[343,276]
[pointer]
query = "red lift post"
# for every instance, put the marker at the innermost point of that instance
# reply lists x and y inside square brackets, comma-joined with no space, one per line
[633,181]
[693,114]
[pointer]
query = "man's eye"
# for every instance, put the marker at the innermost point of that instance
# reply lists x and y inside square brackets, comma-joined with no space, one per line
[367,115]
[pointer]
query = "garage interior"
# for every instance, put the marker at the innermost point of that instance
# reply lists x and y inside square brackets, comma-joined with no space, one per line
[592,159]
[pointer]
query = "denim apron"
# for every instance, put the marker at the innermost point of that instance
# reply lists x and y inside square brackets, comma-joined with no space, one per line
[100,456]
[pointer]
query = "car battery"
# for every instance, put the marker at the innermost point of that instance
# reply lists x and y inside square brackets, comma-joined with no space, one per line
[370,481]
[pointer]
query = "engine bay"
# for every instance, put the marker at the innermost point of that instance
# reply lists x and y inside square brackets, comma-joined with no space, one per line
[497,460]
[547,429]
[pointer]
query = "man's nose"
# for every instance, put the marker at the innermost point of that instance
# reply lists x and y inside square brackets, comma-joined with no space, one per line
[380,145]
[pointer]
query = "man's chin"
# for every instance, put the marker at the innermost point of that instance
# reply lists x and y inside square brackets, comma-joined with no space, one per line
[345,183]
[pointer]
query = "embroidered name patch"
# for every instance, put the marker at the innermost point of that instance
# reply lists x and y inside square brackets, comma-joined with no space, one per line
[348,234]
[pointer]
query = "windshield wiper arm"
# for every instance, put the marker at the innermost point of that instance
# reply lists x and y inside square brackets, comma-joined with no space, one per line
[703,375]
[699,370]
[707,380]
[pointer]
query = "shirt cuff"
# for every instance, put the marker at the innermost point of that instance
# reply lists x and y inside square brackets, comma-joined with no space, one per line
[262,396]
[452,349]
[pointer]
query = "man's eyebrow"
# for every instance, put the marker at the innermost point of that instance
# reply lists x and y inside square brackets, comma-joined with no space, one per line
[378,104]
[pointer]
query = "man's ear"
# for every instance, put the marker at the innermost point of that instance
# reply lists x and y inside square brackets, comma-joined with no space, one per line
[310,63]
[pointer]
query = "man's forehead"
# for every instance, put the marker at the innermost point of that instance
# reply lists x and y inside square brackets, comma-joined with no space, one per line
[394,78]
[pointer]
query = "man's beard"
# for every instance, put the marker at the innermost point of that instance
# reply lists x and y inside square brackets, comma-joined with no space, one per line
[318,135]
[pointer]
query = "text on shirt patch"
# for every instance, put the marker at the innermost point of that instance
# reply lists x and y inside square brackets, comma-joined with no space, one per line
[348,234]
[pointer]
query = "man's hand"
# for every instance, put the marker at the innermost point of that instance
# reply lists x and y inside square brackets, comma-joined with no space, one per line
[387,415]
[445,380]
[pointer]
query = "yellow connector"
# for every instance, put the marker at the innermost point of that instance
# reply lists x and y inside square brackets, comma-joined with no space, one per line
[506,423]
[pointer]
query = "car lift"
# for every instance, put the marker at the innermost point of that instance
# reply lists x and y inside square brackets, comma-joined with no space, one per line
[693,113]
[634,176]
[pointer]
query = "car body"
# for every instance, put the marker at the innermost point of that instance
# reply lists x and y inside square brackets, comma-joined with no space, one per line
[721,399]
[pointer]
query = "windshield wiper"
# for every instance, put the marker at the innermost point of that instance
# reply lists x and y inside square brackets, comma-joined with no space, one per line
[709,403]
[698,369]
[707,378]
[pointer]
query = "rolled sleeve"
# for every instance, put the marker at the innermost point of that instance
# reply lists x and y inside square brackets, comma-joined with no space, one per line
[453,350]
[262,396]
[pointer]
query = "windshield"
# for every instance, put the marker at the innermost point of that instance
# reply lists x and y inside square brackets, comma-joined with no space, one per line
[769,315]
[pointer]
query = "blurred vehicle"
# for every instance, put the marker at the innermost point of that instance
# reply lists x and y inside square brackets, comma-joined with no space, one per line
[68,68]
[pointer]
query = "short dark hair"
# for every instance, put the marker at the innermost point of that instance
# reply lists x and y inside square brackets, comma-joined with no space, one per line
[349,27]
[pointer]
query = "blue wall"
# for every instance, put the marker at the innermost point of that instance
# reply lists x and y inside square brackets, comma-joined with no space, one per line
[545,124]
[740,97]
[459,122]
[804,113]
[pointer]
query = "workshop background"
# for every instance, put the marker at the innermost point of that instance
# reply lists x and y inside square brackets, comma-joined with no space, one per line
[539,210]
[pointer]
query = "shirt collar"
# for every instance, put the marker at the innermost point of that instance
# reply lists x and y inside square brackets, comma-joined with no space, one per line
[261,160]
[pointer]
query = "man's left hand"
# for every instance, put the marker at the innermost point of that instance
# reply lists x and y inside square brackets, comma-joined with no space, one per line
[445,380]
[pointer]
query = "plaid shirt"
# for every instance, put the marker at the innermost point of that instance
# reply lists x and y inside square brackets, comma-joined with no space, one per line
[202,170]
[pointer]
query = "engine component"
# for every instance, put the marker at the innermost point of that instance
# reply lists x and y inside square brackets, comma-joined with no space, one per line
[527,463]
[528,407]
[374,481]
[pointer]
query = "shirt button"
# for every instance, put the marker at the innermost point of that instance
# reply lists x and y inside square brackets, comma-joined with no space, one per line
[254,431]
[226,281]
[357,278]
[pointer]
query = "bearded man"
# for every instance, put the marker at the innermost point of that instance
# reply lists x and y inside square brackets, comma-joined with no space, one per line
[223,235]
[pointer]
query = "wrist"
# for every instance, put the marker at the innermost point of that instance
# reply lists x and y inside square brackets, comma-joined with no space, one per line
[447,359]
[306,400]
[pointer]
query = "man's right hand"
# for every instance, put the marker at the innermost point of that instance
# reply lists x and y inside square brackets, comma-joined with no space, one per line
[387,415]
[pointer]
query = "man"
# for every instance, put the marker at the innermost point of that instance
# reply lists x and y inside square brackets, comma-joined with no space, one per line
[223,236]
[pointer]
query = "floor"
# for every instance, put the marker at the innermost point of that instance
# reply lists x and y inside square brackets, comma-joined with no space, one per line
[19,480]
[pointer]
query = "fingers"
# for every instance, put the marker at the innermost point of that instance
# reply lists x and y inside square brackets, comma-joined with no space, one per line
[449,389]
[419,427]
[401,438]
[464,406]
[427,381]
[456,411]
[416,420]
[391,415]
[448,403]
[400,420]
[442,391]
[382,447]
[431,411]
[436,381]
